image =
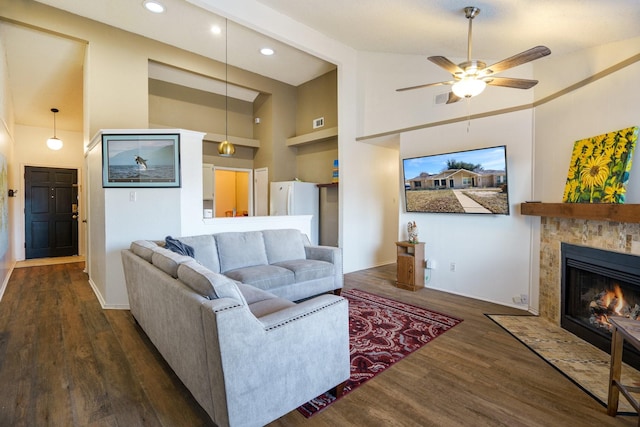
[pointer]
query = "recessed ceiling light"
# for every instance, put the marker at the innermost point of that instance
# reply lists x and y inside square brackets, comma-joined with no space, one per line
[215,29]
[153,6]
[267,51]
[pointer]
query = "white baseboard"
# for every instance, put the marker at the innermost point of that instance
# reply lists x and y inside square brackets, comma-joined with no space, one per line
[6,280]
[102,302]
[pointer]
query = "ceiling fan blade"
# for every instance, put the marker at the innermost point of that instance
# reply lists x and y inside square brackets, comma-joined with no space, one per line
[425,85]
[510,82]
[452,98]
[518,59]
[443,62]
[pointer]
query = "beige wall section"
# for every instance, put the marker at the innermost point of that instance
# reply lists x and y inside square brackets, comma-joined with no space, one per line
[263,131]
[282,159]
[175,106]
[315,161]
[317,98]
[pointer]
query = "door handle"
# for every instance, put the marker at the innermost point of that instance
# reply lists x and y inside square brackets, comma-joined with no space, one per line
[74,216]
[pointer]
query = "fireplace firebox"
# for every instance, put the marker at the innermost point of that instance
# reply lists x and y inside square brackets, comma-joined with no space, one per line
[597,284]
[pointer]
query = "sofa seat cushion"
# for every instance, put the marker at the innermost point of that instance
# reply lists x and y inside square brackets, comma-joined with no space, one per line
[252,294]
[308,269]
[263,276]
[207,283]
[268,306]
[240,249]
[284,245]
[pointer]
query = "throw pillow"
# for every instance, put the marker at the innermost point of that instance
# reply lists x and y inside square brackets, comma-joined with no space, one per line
[179,247]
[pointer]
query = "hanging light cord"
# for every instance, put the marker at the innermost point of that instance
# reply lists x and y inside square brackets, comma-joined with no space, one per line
[226,80]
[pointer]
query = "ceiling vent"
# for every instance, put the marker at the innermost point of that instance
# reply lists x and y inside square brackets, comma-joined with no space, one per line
[442,98]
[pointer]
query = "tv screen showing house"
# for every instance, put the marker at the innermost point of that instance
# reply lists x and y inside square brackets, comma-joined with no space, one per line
[472,181]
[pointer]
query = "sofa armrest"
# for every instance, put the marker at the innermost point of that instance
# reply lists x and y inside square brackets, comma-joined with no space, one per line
[298,311]
[324,253]
[264,368]
[329,254]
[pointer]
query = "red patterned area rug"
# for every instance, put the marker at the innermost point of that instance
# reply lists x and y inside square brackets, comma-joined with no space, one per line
[381,332]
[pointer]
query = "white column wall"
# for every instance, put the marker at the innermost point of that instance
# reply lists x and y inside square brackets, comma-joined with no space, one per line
[491,252]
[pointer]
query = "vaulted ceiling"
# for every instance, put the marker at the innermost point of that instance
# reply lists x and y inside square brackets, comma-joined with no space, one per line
[413,27]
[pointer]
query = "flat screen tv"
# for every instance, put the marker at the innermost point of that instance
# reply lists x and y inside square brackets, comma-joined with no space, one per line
[471,181]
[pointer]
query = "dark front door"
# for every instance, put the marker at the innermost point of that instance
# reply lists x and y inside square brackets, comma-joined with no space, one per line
[51,212]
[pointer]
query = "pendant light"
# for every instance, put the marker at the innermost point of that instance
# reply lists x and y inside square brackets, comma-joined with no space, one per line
[226,148]
[54,143]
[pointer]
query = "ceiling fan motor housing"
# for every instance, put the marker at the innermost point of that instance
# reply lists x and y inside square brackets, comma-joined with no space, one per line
[470,68]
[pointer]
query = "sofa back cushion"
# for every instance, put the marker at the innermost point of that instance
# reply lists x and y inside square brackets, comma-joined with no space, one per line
[144,249]
[207,283]
[205,250]
[240,249]
[284,245]
[168,261]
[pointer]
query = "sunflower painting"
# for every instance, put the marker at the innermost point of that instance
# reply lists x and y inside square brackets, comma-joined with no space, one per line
[599,168]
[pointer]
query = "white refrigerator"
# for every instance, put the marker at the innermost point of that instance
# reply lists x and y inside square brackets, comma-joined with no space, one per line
[296,198]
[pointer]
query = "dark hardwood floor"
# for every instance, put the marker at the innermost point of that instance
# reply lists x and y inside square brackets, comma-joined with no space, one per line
[66,362]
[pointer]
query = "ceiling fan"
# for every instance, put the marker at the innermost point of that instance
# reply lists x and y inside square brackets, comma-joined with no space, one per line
[472,76]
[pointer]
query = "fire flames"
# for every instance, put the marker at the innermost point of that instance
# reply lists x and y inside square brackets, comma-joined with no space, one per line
[610,303]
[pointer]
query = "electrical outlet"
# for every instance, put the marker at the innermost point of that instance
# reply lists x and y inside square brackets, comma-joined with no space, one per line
[452,266]
[517,299]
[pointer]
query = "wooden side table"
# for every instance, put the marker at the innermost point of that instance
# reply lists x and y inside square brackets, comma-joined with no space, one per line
[410,263]
[623,329]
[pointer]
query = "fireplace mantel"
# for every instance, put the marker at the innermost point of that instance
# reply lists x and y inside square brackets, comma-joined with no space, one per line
[597,211]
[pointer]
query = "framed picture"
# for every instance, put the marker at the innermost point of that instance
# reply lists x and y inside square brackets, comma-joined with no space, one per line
[141,160]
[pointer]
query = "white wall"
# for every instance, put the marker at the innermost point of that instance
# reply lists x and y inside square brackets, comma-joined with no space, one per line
[606,105]
[382,109]
[491,252]
[7,255]
[116,220]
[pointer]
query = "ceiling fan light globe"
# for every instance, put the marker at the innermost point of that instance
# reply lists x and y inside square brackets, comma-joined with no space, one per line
[54,143]
[468,87]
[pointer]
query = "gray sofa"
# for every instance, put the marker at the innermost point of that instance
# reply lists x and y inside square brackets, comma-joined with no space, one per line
[279,261]
[247,355]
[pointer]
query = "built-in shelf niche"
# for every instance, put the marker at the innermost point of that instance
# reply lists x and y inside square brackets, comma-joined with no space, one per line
[313,137]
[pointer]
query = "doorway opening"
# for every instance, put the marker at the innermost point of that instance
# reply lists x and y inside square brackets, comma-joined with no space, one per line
[233,189]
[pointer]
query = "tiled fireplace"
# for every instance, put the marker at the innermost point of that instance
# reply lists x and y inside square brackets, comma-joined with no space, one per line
[596,285]
[612,236]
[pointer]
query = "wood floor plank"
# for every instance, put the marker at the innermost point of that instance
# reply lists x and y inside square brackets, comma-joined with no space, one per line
[90,401]
[50,390]
[168,396]
[19,328]
[476,374]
